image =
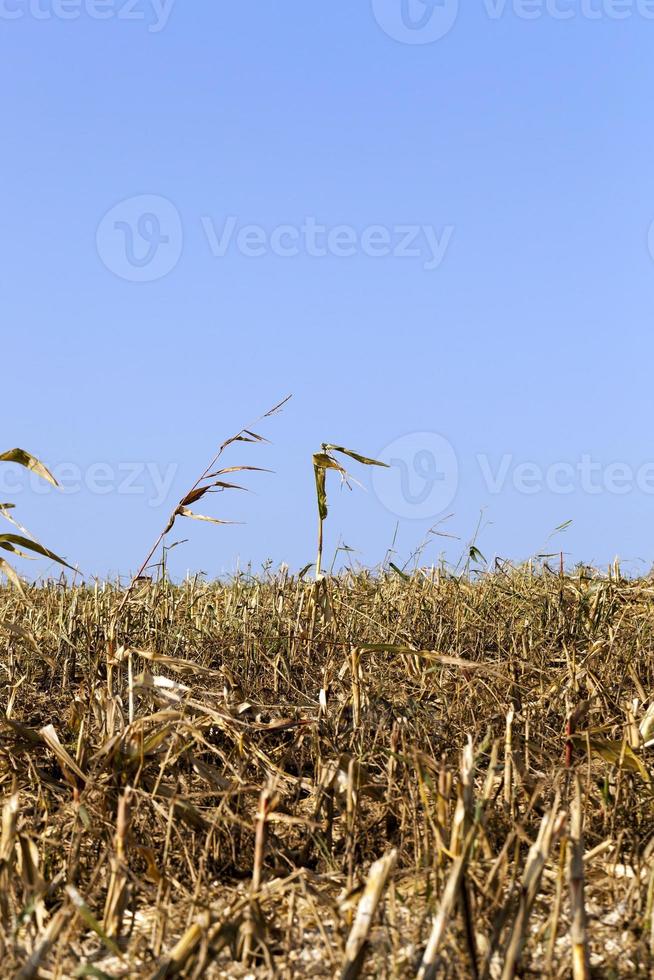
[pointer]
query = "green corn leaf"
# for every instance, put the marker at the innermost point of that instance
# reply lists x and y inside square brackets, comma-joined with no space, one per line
[476,555]
[90,920]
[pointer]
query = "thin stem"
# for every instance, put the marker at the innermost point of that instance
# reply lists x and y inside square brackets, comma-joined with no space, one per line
[203,476]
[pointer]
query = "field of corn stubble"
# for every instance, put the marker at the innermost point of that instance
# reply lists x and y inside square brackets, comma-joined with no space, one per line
[382,776]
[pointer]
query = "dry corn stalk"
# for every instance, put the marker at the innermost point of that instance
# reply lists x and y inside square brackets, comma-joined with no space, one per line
[580,964]
[462,847]
[531,879]
[44,944]
[356,944]
[429,965]
[69,767]
[508,758]
[174,963]
[118,891]
[198,761]
[7,853]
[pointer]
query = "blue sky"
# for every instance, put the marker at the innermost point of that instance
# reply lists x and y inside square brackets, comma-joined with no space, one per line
[439,244]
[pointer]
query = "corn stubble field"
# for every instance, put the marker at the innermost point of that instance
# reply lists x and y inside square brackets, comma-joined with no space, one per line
[389,774]
[370,775]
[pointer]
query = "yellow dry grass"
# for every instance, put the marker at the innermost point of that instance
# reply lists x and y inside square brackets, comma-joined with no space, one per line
[370,775]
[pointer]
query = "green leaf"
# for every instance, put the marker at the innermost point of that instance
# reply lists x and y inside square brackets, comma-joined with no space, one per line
[30,462]
[84,816]
[562,527]
[88,970]
[476,555]
[90,920]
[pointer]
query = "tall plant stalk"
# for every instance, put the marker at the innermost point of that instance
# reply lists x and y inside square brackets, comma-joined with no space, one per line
[210,481]
[323,461]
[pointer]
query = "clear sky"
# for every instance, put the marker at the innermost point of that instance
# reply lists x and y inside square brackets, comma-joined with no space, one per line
[429,224]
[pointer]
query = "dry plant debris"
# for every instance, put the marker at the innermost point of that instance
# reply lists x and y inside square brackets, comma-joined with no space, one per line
[375,775]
